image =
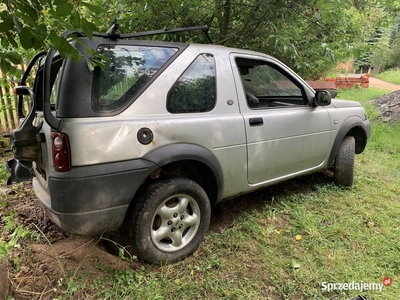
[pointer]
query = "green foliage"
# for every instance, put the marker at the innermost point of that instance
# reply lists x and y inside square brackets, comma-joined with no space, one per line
[365,61]
[123,285]
[309,36]
[394,56]
[380,58]
[3,249]
[3,172]
[34,25]
[386,50]
[395,29]
[16,234]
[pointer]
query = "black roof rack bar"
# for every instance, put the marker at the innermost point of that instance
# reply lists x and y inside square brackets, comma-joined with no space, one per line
[162,31]
[114,33]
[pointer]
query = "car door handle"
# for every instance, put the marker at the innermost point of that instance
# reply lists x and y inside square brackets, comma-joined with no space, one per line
[256,121]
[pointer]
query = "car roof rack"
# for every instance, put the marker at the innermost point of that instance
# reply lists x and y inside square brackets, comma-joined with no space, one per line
[114,33]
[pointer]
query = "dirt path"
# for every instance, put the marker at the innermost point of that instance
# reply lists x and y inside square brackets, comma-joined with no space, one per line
[375,82]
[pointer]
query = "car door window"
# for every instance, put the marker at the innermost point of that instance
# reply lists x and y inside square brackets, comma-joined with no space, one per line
[266,86]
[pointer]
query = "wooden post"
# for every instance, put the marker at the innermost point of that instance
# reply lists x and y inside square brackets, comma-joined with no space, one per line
[9,109]
[8,105]
[3,113]
[13,105]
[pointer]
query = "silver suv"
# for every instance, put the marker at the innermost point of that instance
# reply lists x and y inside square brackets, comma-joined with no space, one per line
[164,130]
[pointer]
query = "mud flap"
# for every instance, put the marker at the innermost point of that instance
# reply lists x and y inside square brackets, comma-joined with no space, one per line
[20,171]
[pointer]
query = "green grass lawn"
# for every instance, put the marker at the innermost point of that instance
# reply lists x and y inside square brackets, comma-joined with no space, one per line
[392,76]
[288,241]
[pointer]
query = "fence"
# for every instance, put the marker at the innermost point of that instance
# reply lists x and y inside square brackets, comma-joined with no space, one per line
[9,102]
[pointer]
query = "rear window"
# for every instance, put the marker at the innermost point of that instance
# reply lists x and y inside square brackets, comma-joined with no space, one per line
[128,69]
[195,90]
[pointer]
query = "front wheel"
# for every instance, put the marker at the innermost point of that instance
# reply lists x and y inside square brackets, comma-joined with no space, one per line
[169,220]
[344,162]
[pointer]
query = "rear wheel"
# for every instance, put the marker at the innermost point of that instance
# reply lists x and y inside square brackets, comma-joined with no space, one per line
[169,220]
[344,162]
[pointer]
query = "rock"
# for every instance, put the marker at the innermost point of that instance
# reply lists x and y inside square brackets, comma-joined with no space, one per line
[4,283]
[389,106]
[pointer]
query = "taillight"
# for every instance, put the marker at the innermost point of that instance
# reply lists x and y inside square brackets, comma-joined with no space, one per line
[60,151]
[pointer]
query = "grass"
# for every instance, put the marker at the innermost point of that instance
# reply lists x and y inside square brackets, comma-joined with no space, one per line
[392,76]
[361,94]
[346,235]
[288,241]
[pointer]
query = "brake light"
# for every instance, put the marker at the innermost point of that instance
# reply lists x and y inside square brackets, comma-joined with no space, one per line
[60,151]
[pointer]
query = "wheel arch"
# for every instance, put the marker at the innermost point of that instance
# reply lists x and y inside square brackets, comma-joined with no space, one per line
[355,127]
[190,161]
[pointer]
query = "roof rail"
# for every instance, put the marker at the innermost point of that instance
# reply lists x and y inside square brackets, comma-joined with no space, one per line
[114,33]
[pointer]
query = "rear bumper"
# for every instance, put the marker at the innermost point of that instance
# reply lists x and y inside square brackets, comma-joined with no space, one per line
[93,199]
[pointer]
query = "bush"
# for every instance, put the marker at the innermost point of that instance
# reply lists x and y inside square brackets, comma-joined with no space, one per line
[394,55]
[380,59]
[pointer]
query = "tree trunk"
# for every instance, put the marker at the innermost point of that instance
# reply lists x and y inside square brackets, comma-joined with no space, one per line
[223,12]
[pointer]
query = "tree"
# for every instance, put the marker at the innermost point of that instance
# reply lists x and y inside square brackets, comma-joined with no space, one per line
[308,35]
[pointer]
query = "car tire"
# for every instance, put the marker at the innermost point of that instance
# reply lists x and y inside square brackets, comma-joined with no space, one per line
[344,162]
[169,220]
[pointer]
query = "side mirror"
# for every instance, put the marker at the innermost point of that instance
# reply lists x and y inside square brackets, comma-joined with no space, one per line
[323,98]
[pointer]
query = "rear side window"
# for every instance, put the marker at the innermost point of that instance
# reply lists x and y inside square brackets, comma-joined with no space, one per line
[56,71]
[128,69]
[195,90]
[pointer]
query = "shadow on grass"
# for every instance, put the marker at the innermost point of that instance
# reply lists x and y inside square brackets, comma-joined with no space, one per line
[225,212]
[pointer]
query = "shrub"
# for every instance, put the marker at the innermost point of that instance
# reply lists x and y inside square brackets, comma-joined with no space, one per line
[394,55]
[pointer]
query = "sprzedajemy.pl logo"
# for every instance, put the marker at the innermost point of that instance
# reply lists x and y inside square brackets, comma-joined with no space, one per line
[356,286]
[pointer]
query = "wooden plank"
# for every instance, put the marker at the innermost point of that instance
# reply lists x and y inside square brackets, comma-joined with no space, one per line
[3,113]
[8,105]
